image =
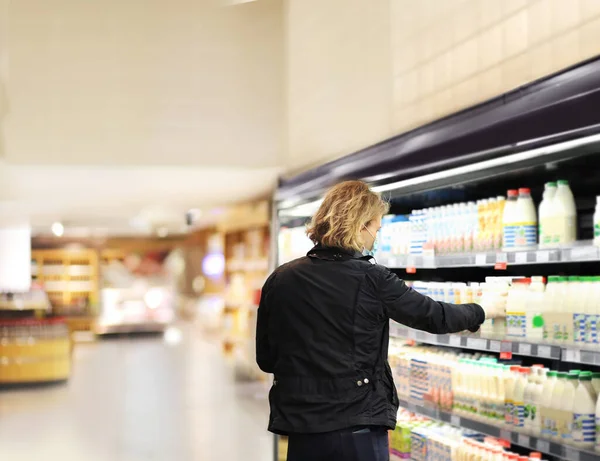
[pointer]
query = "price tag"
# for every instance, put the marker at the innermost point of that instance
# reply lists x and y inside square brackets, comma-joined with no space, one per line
[571,454]
[495,346]
[521,258]
[583,253]
[480,344]
[572,355]
[506,355]
[500,266]
[455,420]
[480,259]
[523,440]
[542,256]
[506,346]
[525,349]
[543,446]
[455,341]
[545,352]
[505,438]
[411,270]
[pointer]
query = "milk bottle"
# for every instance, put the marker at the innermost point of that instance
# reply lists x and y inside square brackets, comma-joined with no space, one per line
[566,431]
[516,305]
[525,218]
[596,382]
[509,219]
[556,406]
[519,398]
[572,302]
[510,379]
[535,310]
[597,222]
[546,404]
[537,396]
[584,412]
[564,228]
[545,214]
[529,403]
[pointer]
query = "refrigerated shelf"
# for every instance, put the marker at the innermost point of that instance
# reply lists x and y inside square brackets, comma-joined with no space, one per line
[583,251]
[523,440]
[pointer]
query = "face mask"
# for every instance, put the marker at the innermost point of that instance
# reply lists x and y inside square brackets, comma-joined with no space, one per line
[373,249]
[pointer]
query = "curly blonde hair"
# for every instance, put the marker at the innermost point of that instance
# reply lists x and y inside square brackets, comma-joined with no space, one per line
[346,208]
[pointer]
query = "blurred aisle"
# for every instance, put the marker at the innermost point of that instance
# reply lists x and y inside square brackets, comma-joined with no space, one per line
[138,399]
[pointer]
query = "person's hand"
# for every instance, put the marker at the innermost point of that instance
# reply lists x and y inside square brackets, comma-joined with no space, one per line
[494,310]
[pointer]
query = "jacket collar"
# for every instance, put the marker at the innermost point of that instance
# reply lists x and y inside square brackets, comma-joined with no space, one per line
[334,254]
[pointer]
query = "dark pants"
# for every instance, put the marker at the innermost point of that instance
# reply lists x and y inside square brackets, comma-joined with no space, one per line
[370,444]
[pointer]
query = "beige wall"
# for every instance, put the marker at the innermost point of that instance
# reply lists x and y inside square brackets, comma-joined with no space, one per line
[442,56]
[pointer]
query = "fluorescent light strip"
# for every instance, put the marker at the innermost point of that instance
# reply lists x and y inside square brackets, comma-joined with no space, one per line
[487,164]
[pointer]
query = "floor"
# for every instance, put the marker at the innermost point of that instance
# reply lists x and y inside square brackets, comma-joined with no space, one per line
[170,398]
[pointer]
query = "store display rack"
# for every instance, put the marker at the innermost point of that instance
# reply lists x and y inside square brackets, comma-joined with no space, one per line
[523,440]
[583,251]
[571,354]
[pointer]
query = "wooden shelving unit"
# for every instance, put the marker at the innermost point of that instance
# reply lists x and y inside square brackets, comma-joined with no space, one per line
[70,277]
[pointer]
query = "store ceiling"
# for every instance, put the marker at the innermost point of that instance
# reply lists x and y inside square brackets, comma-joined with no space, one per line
[120,116]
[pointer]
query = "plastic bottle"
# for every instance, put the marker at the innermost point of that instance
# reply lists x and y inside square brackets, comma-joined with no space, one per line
[508,219]
[510,379]
[545,214]
[557,404]
[597,222]
[519,398]
[517,305]
[535,310]
[497,222]
[525,218]
[597,444]
[546,404]
[566,431]
[572,302]
[565,229]
[584,412]
[538,394]
[596,382]
[529,401]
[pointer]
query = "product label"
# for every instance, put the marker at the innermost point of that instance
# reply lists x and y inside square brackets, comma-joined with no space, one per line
[508,413]
[509,236]
[525,234]
[516,324]
[579,328]
[597,230]
[519,414]
[584,428]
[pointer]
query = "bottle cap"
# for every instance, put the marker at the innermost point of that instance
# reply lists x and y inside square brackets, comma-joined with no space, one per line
[552,374]
[535,455]
[573,278]
[563,182]
[524,191]
[573,376]
[574,372]
[585,376]
[596,375]
[551,184]
[512,192]
[525,370]
[515,368]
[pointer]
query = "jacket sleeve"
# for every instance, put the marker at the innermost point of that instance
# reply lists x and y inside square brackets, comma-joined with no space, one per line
[265,352]
[410,308]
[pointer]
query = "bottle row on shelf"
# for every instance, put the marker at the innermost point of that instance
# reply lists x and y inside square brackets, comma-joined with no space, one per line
[495,223]
[562,407]
[421,439]
[556,310]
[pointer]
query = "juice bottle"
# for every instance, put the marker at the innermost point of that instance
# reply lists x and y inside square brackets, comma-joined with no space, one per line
[545,214]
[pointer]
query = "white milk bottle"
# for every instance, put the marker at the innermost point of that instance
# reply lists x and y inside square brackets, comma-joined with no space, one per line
[584,412]
[500,397]
[535,310]
[509,220]
[528,400]
[556,405]
[597,444]
[519,398]
[550,306]
[525,221]
[596,382]
[546,404]
[545,214]
[510,378]
[516,308]
[538,394]
[566,431]
[565,230]
[597,222]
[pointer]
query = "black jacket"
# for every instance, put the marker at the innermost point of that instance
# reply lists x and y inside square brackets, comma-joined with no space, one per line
[323,331]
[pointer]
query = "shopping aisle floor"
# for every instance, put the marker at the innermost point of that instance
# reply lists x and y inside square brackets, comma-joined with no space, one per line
[138,399]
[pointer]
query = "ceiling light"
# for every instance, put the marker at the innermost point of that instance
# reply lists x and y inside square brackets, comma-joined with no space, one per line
[58,229]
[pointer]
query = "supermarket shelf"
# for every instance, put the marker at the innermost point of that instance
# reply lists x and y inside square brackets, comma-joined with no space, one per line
[571,354]
[581,252]
[522,440]
[480,344]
